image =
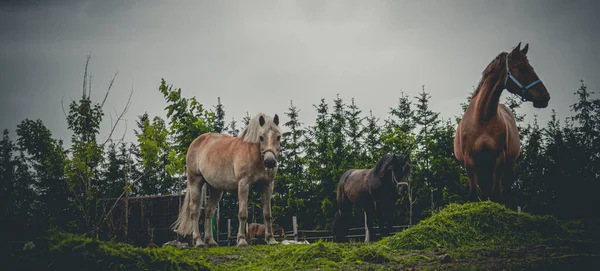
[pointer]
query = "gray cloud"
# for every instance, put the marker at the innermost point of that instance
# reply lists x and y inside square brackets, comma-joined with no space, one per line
[259,55]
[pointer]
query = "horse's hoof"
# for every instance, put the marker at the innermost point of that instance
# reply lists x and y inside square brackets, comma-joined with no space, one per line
[242,243]
[200,245]
[272,242]
[212,243]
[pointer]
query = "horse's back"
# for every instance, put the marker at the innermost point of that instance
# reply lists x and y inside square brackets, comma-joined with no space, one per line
[352,184]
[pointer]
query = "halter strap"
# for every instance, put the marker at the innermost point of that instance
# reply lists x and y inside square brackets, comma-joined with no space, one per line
[524,89]
[398,184]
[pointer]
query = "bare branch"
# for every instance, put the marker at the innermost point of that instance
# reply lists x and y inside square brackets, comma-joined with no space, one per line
[123,137]
[85,73]
[110,84]
[63,106]
[112,130]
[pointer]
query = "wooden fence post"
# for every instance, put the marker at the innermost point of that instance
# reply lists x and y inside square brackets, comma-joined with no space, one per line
[295,227]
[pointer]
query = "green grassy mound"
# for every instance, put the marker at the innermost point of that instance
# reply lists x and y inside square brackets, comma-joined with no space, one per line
[480,224]
[63,251]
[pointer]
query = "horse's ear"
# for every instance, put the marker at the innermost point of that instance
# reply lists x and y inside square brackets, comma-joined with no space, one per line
[516,52]
[525,49]
[276,120]
[261,120]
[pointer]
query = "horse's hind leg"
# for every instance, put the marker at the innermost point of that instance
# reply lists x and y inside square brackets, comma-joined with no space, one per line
[213,200]
[266,204]
[243,190]
[369,234]
[340,227]
[497,178]
[196,197]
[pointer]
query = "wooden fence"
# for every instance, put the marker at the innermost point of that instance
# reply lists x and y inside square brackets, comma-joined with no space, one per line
[230,237]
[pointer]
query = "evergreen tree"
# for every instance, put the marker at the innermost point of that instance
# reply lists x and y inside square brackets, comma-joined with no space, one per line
[353,134]
[319,161]
[233,130]
[372,134]
[219,123]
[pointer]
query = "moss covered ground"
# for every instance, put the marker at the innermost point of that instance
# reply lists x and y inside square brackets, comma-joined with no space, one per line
[472,236]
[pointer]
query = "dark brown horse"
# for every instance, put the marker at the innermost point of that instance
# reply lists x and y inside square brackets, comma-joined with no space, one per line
[487,139]
[256,230]
[375,190]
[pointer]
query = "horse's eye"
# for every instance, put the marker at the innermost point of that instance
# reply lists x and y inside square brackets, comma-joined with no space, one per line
[262,138]
[278,138]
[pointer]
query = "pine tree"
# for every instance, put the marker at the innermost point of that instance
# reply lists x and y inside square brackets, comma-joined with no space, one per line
[233,130]
[219,123]
[353,133]
[245,120]
[319,161]
[372,134]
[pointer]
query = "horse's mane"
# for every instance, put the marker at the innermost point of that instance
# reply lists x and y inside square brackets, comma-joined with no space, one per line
[494,66]
[491,68]
[385,159]
[253,131]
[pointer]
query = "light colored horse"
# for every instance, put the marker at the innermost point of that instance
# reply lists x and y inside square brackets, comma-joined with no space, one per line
[487,140]
[228,163]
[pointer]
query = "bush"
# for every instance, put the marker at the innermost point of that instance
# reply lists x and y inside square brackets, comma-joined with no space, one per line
[479,224]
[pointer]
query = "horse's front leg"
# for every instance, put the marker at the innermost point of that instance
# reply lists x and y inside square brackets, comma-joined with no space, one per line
[369,235]
[243,190]
[380,208]
[266,205]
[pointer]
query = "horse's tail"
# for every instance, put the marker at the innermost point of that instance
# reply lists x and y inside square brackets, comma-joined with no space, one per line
[184,224]
[337,227]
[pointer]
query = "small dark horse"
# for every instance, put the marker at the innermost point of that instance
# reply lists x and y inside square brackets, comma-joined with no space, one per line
[375,190]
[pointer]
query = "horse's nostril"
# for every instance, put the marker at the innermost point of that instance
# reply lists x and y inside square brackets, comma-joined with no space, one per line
[270,163]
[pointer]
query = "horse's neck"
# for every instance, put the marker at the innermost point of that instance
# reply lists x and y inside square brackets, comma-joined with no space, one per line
[488,98]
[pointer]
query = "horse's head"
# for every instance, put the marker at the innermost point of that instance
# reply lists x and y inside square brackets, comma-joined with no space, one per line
[523,79]
[398,168]
[270,141]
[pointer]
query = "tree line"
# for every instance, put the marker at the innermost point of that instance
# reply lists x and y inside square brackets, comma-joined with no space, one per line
[45,185]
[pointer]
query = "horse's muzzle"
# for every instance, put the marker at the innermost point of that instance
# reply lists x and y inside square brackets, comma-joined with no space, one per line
[269,160]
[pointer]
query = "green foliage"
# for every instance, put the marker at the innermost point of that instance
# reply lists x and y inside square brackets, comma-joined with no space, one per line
[187,120]
[479,224]
[63,251]
[153,157]
[53,205]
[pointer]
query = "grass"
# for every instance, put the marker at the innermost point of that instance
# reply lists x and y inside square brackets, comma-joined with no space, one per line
[471,236]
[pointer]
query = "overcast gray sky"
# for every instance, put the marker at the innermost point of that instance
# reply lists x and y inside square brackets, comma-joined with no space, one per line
[259,55]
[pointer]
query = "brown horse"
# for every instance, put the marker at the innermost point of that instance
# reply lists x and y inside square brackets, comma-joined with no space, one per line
[227,163]
[258,230]
[487,139]
[375,190]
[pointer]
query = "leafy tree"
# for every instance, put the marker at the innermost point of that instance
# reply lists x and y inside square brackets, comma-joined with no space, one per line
[154,156]
[46,156]
[187,120]
[16,194]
